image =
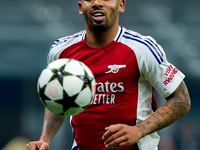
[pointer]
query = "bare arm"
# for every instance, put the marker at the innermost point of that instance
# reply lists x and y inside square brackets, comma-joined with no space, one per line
[51,125]
[178,104]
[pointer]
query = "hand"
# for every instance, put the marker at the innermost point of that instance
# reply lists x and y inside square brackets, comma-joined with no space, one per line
[37,145]
[120,135]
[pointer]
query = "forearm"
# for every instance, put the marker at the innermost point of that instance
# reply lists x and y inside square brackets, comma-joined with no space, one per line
[178,104]
[51,125]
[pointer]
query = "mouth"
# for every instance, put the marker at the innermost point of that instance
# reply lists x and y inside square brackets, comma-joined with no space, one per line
[98,16]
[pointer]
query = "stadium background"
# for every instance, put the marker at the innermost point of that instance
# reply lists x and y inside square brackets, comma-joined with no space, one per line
[29,27]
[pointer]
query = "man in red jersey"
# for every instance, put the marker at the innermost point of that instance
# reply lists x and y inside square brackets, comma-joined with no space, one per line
[126,66]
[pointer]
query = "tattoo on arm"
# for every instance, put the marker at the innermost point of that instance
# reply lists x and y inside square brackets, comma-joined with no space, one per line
[177,105]
[54,121]
[52,124]
[181,99]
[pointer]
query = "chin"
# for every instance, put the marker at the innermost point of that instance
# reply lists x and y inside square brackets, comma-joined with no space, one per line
[98,28]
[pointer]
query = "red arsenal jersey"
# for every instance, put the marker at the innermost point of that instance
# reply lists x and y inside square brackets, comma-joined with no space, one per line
[126,70]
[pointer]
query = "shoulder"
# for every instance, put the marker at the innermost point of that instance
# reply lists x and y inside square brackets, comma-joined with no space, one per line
[132,37]
[62,43]
[69,39]
[143,45]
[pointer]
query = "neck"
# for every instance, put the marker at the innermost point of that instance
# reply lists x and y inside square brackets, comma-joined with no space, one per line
[101,39]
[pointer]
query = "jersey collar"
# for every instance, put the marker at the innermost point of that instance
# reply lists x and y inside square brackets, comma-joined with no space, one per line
[118,35]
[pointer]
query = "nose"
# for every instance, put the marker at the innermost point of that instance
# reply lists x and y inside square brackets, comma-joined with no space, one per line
[97,4]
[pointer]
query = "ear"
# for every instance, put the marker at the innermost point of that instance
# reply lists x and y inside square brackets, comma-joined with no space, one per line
[80,8]
[122,4]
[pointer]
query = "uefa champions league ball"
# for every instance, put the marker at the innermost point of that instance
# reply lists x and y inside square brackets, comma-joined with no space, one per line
[66,87]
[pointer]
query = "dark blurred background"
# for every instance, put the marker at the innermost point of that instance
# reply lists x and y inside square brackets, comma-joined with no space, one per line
[29,27]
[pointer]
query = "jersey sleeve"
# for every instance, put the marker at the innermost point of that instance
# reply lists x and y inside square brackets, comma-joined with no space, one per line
[55,50]
[162,75]
[59,45]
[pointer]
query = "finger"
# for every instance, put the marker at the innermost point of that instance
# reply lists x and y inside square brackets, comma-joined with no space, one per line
[113,137]
[107,128]
[119,142]
[44,147]
[30,146]
[33,146]
[27,147]
[109,132]
[106,135]
[124,143]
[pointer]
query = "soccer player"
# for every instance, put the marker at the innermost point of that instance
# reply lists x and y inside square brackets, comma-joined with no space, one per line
[127,67]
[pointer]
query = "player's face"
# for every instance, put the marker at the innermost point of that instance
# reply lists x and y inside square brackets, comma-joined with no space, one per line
[101,15]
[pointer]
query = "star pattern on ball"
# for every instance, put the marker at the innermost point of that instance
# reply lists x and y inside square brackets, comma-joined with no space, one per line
[87,80]
[59,74]
[67,102]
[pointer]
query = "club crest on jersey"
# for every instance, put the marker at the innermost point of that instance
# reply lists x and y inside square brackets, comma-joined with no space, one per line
[115,68]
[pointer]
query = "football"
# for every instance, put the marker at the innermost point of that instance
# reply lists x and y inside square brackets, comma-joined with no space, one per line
[66,87]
